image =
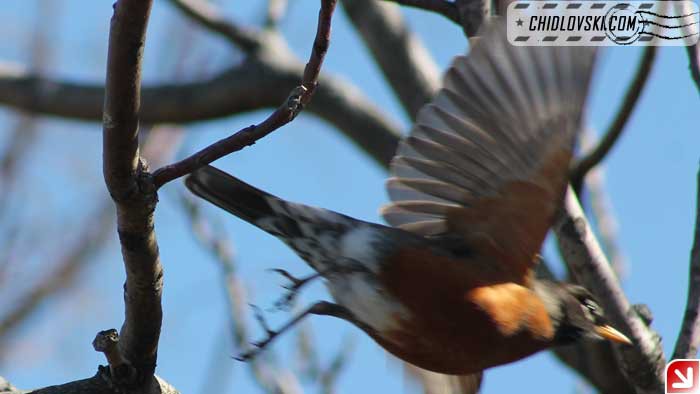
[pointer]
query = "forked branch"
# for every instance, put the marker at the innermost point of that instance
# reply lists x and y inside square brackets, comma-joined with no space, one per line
[298,98]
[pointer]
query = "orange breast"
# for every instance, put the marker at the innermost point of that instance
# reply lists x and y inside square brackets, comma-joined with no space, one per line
[463,318]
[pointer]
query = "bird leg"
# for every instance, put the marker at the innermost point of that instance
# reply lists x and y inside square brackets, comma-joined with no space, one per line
[321,308]
[286,301]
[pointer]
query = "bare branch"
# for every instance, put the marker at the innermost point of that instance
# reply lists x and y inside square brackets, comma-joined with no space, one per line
[644,362]
[135,200]
[99,384]
[209,17]
[404,61]
[284,114]
[689,334]
[592,158]
[94,385]
[445,8]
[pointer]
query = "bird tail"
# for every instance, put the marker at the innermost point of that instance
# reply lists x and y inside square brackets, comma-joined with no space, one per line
[315,234]
[231,194]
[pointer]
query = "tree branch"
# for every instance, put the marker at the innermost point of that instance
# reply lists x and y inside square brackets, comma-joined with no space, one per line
[128,185]
[298,98]
[404,61]
[257,83]
[644,362]
[97,384]
[209,17]
[442,7]
[611,136]
[689,334]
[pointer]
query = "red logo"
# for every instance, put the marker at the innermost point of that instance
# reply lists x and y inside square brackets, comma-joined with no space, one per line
[682,377]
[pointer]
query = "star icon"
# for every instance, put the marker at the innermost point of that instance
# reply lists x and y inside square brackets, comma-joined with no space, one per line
[519,22]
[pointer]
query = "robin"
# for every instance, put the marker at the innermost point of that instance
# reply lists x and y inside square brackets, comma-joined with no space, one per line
[449,286]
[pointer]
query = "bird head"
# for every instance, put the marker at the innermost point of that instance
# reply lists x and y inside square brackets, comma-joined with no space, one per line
[576,314]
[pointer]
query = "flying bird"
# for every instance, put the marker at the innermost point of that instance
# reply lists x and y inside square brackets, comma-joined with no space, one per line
[449,285]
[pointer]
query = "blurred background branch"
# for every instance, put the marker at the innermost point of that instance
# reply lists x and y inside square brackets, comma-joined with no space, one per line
[264,69]
[595,155]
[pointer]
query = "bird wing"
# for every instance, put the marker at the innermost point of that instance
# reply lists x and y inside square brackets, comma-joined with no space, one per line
[487,160]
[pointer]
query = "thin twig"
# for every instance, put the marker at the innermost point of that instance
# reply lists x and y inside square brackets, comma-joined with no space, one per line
[298,98]
[445,8]
[207,15]
[689,334]
[591,159]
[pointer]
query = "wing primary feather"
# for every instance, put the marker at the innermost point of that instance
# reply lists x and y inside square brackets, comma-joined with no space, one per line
[488,157]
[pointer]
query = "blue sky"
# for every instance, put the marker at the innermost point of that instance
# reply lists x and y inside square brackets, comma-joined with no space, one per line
[650,176]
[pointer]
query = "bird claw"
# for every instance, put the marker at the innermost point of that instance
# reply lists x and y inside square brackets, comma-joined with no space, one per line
[320,308]
[286,302]
[258,346]
[247,356]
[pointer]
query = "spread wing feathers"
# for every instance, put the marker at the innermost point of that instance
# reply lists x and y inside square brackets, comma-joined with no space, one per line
[487,159]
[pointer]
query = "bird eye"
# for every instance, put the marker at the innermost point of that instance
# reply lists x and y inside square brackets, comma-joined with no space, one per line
[591,306]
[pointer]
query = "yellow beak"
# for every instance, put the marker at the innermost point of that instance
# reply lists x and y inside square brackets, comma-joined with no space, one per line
[612,334]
